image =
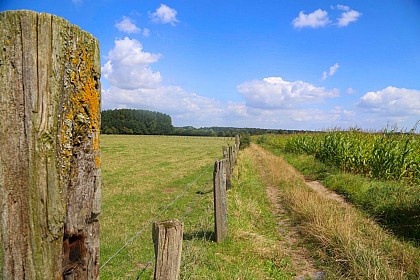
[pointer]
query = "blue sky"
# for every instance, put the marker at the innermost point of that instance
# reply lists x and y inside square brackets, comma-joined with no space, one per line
[295,64]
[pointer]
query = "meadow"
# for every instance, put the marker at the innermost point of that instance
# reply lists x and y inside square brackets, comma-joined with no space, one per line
[278,228]
[152,178]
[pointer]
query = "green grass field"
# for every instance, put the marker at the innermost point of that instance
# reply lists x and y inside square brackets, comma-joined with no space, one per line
[142,177]
[153,178]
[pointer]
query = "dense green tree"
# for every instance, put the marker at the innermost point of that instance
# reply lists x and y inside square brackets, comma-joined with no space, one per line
[130,121]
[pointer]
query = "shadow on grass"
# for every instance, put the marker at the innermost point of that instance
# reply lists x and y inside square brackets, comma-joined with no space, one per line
[392,205]
[203,193]
[200,235]
[403,222]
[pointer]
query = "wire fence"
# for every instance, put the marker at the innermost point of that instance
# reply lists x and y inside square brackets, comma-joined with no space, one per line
[201,230]
[190,207]
[146,225]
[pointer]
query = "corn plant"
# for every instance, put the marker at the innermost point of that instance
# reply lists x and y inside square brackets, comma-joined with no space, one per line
[388,155]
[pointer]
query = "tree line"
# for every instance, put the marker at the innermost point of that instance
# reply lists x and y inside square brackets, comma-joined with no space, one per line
[130,121]
[144,122]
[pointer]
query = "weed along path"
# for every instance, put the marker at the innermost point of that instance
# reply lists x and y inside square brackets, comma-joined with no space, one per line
[326,237]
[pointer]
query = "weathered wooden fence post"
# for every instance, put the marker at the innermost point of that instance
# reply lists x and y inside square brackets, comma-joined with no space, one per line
[224,152]
[229,167]
[219,193]
[49,148]
[237,144]
[167,237]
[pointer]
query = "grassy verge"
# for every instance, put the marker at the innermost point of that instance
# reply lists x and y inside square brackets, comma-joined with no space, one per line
[142,175]
[252,249]
[393,204]
[341,236]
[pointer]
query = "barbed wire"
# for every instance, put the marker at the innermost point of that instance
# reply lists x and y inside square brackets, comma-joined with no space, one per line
[190,208]
[147,223]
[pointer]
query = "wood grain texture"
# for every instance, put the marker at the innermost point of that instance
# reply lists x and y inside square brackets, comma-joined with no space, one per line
[220,203]
[49,148]
[167,237]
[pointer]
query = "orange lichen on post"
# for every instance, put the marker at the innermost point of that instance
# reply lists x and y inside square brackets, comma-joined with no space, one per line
[83,114]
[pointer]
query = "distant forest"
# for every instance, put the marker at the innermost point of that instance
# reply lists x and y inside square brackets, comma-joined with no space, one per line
[130,121]
[143,122]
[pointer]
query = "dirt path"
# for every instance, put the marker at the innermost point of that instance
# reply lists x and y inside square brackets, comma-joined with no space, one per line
[323,191]
[268,166]
[291,240]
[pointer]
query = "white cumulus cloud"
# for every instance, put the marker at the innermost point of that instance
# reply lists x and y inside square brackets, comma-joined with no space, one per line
[164,15]
[127,25]
[348,17]
[184,107]
[274,92]
[318,18]
[392,101]
[128,67]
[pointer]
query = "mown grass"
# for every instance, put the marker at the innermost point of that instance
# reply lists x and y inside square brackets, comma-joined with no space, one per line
[395,204]
[142,175]
[341,236]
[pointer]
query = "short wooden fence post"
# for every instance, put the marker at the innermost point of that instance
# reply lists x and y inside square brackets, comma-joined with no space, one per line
[167,237]
[219,191]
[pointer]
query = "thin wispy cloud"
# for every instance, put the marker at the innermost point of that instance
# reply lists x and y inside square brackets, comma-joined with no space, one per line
[333,70]
[164,15]
[350,91]
[146,32]
[341,7]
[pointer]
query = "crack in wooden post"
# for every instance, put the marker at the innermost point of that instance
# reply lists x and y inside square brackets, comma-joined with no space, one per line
[50,188]
[167,238]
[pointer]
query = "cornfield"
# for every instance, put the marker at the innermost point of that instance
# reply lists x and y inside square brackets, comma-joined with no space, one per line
[385,155]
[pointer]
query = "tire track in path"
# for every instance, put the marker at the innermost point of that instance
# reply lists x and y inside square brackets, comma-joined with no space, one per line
[269,168]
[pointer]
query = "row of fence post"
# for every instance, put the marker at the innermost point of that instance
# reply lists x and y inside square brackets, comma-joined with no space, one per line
[168,235]
[222,181]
